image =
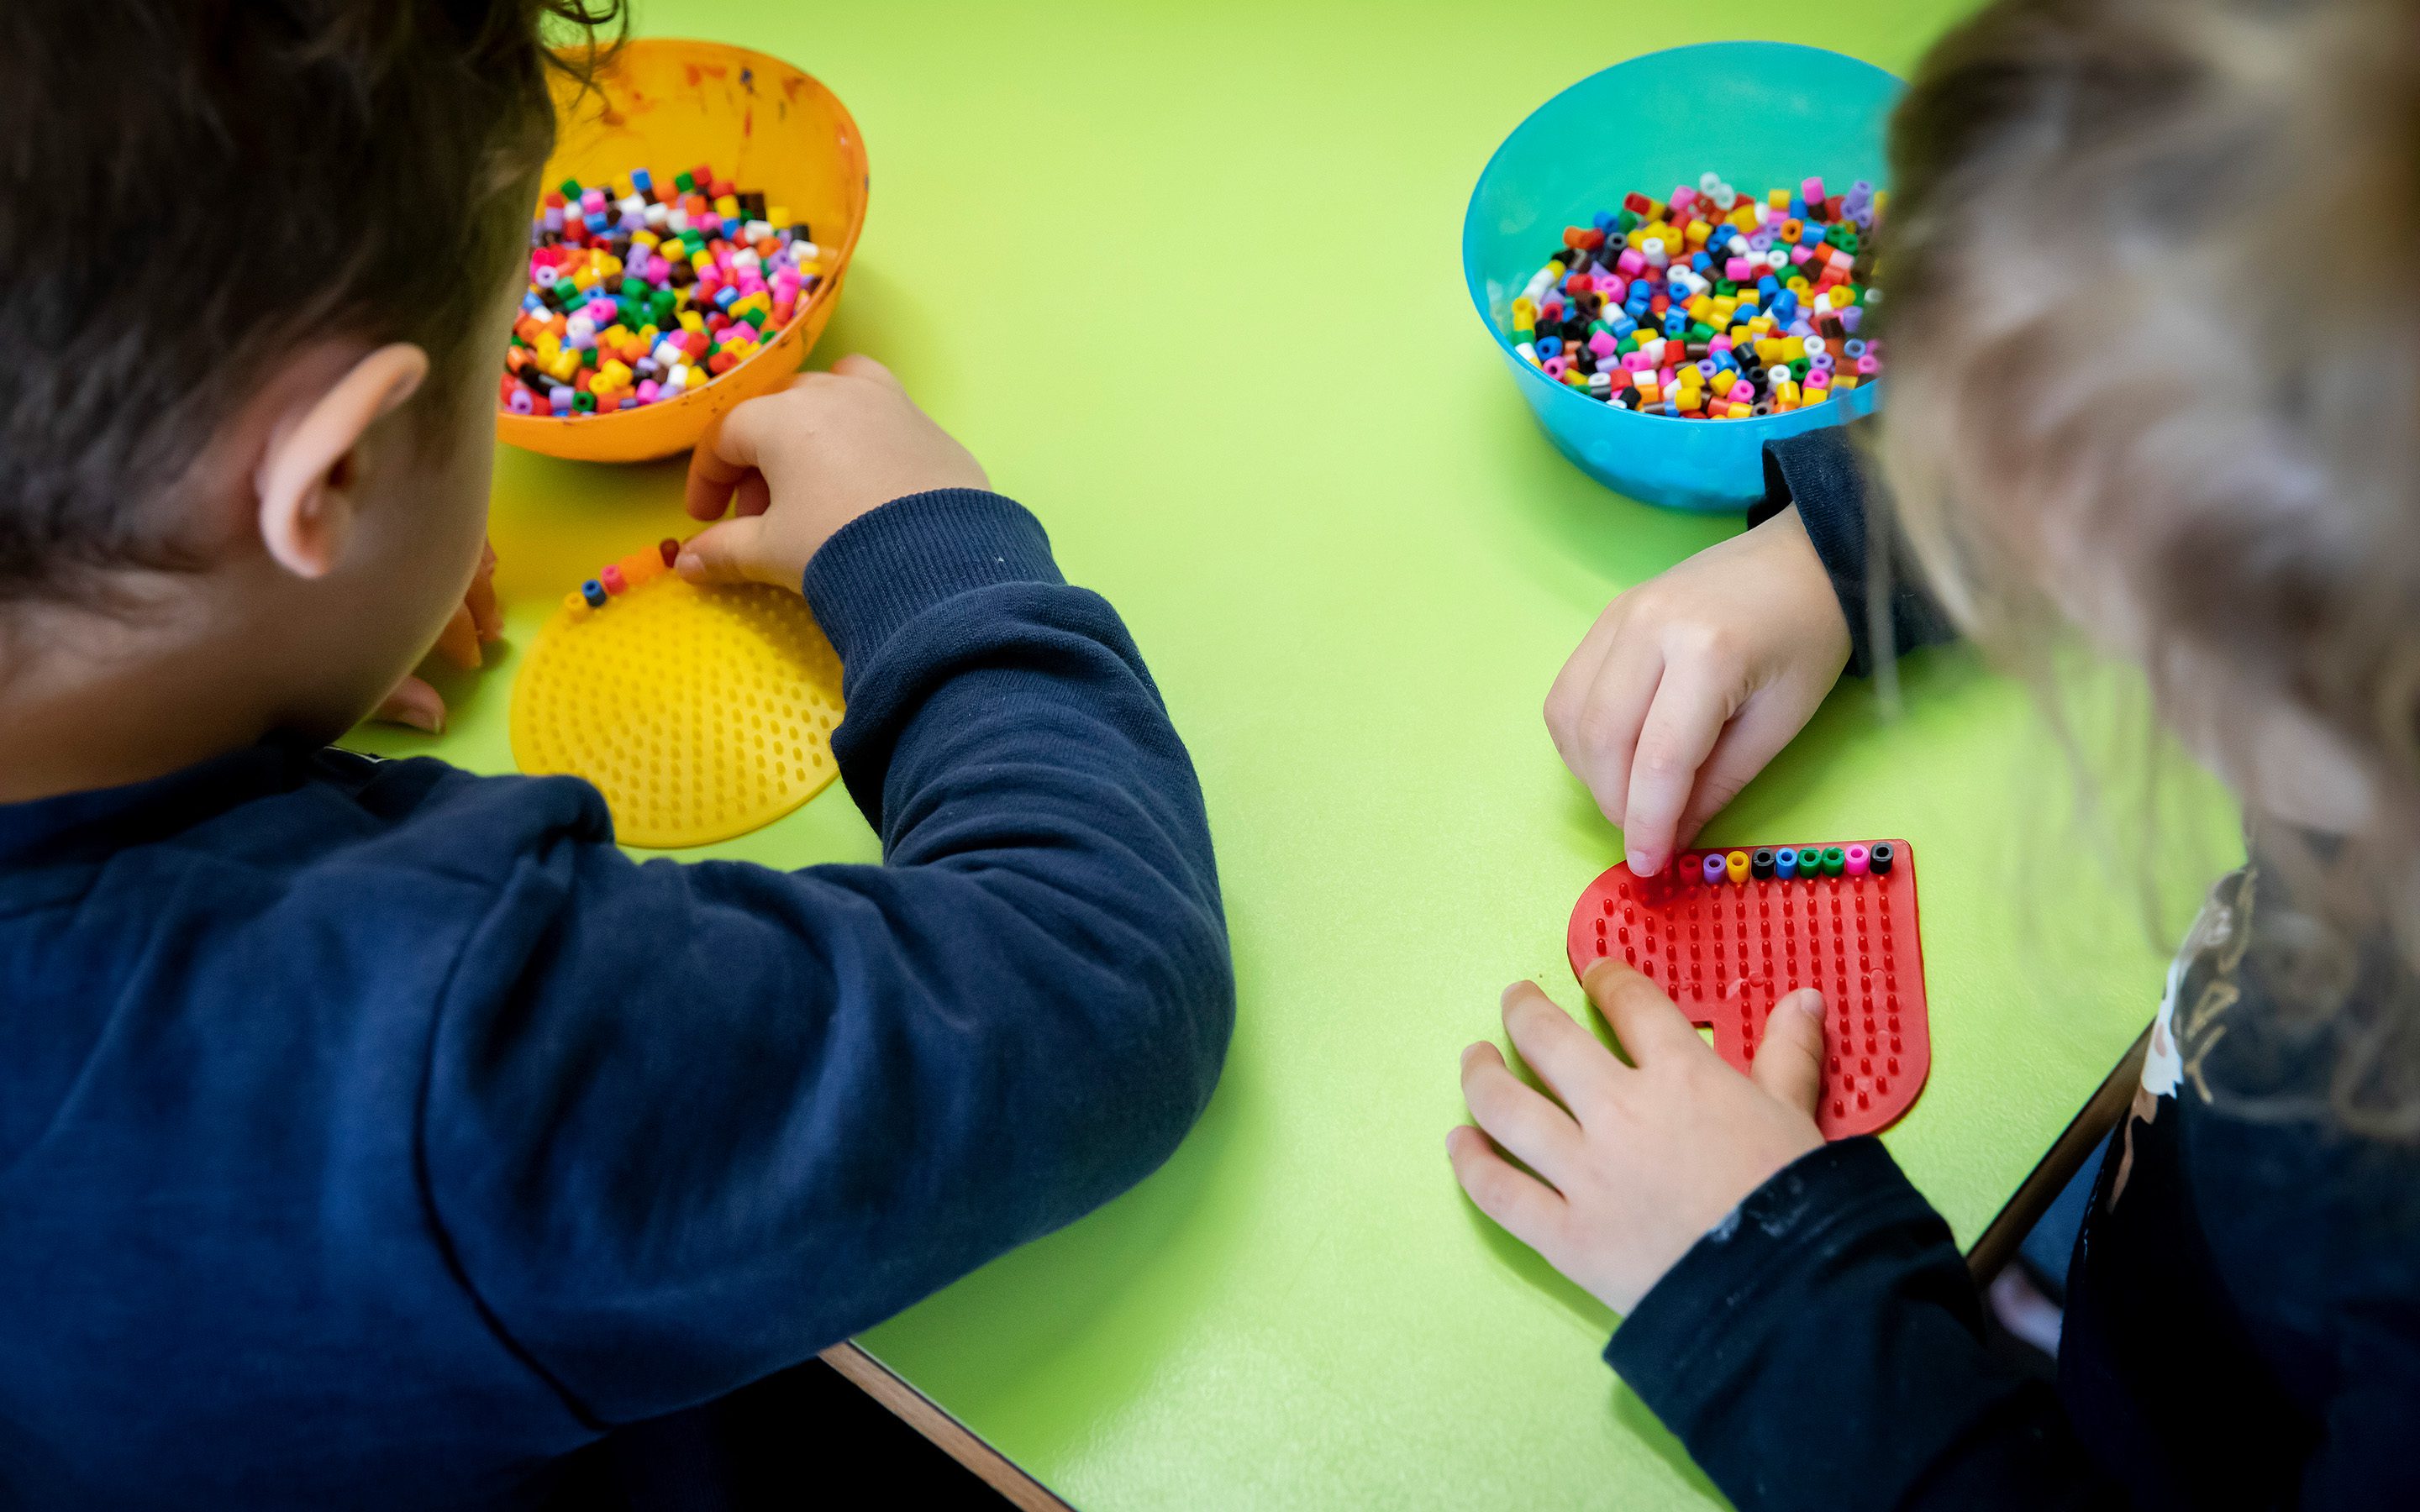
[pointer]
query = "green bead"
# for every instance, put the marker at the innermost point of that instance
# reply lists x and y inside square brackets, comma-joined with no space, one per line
[1835,860]
[1595,326]
[1701,332]
[585,402]
[571,188]
[1799,369]
[1725,289]
[1627,222]
[685,183]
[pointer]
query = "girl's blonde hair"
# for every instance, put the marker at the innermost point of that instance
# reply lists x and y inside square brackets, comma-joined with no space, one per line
[2152,292]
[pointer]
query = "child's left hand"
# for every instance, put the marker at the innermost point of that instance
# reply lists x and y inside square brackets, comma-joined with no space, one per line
[1639,1160]
[476,622]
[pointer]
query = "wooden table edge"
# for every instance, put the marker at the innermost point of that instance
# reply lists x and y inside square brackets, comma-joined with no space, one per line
[1993,1250]
[953,1437]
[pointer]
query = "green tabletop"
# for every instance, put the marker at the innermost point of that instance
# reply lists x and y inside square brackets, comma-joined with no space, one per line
[1185,279]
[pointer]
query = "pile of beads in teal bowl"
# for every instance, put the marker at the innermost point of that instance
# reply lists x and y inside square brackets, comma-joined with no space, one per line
[1760,113]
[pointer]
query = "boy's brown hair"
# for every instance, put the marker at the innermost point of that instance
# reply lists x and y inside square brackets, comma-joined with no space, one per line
[189,188]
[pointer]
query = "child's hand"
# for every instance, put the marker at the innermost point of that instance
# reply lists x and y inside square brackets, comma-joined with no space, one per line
[1689,683]
[1640,1160]
[476,622]
[806,460]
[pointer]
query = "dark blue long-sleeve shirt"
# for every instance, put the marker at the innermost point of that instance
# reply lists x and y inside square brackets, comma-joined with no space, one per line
[372,1133]
[2242,1326]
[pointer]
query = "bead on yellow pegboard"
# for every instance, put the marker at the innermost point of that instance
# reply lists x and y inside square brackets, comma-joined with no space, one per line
[699,713]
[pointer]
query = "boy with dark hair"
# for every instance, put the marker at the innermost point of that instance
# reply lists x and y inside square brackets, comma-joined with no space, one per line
[375,1134]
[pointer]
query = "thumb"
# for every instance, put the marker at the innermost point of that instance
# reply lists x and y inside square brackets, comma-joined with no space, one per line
[1790,1063]
[856,365]
[731,552]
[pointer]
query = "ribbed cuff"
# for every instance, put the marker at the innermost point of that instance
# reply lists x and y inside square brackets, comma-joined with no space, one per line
[1674,1346]
[889,564]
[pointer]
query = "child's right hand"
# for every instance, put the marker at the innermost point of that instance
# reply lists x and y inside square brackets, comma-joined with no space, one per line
[805,460]
[1689,683]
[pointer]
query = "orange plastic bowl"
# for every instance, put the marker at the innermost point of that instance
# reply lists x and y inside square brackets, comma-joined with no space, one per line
[667,105]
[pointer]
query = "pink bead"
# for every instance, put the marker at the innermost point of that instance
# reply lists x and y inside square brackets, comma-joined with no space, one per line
[1554,368]
[1868,365]
[648,391]
[1812,191]
[1630,262]
[1682,198]
[614,580]
[1819,378]
[1743,392]
[1858,858]
[1636,362]
[1603,344]
[1738,271]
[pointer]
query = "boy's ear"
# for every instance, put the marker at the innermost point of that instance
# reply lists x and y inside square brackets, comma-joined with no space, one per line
[309,472]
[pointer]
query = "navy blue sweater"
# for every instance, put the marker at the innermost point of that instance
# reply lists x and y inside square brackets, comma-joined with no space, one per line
[372,1133]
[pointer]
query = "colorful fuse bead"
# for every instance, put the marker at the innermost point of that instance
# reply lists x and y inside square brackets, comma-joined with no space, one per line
[1710,304]
[619,578]
[635,299]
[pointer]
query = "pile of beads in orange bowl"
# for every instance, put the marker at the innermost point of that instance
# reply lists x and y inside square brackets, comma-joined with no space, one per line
[639,298]
[1710,305]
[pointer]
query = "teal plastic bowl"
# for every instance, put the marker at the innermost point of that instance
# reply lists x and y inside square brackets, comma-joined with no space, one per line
[1765,116]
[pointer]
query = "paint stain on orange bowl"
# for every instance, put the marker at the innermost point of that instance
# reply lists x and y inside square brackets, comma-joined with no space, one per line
[667,105]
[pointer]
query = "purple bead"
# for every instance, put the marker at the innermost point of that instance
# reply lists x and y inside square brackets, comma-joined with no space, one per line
[520,403]
[1713,869]
[1851,316]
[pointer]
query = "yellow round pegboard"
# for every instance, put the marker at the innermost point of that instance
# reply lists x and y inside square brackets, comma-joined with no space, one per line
[700,713]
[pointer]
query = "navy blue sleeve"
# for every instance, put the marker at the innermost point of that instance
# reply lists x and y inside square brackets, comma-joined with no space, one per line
[688,1124]
[1822,1348]
[1820,472]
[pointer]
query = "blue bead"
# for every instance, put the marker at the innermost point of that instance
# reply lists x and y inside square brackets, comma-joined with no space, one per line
[1601,219]
[643,181]
[1676,324]
[1768,288]
[1702,263]
[1785,863]
[1549,346]
[594,591]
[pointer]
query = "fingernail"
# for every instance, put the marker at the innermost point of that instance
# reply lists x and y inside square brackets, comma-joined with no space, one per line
[689,565]
[425,721]
[1644,863]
